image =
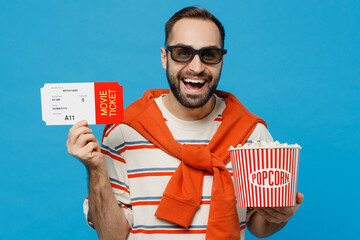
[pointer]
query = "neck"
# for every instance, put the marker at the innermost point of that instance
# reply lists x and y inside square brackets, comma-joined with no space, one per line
[184,113]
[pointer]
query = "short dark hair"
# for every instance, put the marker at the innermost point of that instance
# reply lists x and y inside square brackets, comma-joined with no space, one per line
[195,13]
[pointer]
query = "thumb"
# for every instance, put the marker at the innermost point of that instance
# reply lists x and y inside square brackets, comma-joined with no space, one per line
[299,198]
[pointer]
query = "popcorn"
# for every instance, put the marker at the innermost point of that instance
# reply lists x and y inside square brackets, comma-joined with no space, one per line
[263,144]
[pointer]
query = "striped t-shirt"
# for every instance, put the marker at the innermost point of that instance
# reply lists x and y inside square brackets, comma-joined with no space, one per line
[139,173]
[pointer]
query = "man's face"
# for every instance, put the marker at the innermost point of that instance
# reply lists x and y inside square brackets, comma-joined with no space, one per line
[192,83]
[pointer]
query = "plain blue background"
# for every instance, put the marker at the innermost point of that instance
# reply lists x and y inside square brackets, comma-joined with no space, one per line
[294,63]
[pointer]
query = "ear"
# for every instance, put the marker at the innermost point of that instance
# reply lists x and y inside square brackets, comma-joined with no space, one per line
[163,57]
[223,60]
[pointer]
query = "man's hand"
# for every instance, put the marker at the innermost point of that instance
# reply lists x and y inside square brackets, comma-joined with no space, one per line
[267,220]
[280,214]
[82,144]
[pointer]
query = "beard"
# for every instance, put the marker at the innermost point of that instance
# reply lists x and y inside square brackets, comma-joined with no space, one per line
[192,100]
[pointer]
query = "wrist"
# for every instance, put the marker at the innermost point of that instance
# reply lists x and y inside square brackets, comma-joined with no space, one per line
[96,165]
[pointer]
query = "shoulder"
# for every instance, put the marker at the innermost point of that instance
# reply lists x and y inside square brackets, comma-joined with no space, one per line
[120,133]
[261,133]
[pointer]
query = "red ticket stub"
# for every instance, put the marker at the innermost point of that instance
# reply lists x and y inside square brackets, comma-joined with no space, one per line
[68,103]
[108,103]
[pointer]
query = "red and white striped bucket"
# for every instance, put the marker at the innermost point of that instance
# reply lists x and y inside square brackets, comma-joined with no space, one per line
[265,177]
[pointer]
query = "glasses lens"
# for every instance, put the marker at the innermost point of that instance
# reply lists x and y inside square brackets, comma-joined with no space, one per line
[181,54]
[211,55]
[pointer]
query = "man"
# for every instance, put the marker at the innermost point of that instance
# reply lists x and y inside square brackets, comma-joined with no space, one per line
[163,172]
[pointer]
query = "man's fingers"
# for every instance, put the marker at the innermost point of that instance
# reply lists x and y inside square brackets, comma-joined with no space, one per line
[299,197]
[84,139]
[74,133]
[87,150]
[280,214]
[80,123]
[90,147]
[83,145]
[269,217]
[275,216]
[274,211]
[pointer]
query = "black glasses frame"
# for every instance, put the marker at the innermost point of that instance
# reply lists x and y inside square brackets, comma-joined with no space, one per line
[198,52]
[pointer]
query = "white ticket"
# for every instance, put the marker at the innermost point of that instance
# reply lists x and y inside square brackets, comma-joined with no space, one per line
[69,103]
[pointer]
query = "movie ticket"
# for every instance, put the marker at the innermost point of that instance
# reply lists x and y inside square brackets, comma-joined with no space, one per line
[69,103]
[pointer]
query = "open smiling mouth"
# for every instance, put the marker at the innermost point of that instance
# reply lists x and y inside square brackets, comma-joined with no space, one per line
[194,84]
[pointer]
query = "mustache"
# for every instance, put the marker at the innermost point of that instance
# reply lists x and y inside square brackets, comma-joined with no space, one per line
[189,75]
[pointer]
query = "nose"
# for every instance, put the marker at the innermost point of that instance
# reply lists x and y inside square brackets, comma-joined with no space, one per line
[195,65]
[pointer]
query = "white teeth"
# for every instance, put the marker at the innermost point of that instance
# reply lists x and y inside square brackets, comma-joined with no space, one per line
[188,80]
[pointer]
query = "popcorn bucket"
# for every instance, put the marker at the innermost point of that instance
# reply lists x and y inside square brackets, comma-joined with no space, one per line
[265,177]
